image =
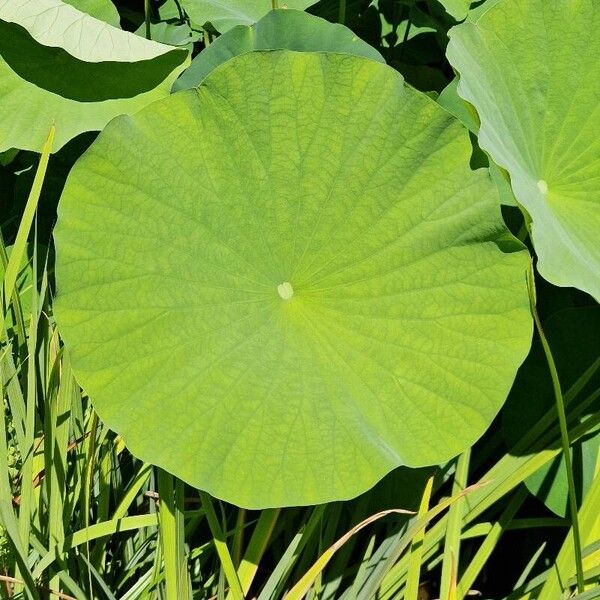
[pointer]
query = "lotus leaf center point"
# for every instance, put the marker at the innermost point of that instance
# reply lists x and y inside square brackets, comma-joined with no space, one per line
[543,186]
[285,290]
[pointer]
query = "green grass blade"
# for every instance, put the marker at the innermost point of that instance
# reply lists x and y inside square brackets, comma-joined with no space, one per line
[453,527]
[220,543]
[489,543]
[272,589]
[303,586]
[589,595]
[582,381]
[415,559]
[530,590]
[256,548]
[94,532]
[170,537]
[523,578]
[360,578]
[90,454]
[14,394]
[501,479]
[14,303]
[483,529]
[567,560]
[512,470]
[101,583]
[128,498]
[238,537]
[27,495]
[18,250]
[133,490]
[182,566]
[8,518]
[56,440]
[381,572]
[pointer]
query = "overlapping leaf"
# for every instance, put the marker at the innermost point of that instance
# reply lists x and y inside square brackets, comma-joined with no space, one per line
[278,30]
[59,65]
[466,114]
[531,68]
[223,15]
[297,285]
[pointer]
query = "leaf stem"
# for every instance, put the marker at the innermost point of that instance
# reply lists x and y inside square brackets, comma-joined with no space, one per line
[342,12]
[181,12]
[147,19]
[564,433]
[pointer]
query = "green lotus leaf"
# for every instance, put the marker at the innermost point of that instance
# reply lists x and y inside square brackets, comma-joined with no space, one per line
[173,34]
[59,65]
[531,68]
[104,10]
[225,15]
[467,115]
[278,30]
[283,284]
[575,345]
[462,110]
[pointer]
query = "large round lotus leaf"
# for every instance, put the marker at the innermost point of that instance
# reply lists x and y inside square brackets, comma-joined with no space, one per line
[225,15]
[531,68]
[59,65]
[574,339]
[283,284]
[278,30]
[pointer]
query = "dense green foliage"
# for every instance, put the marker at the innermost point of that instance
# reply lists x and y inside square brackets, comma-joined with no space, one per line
[269,283]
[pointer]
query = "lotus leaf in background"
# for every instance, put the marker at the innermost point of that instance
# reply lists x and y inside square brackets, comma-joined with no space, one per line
[467,115]
[575,344]
[225,15]
[462,110]
[173,34]
[298,284]
[59,65]
[104,10]
[459,9]
[278,30]
[531,68]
